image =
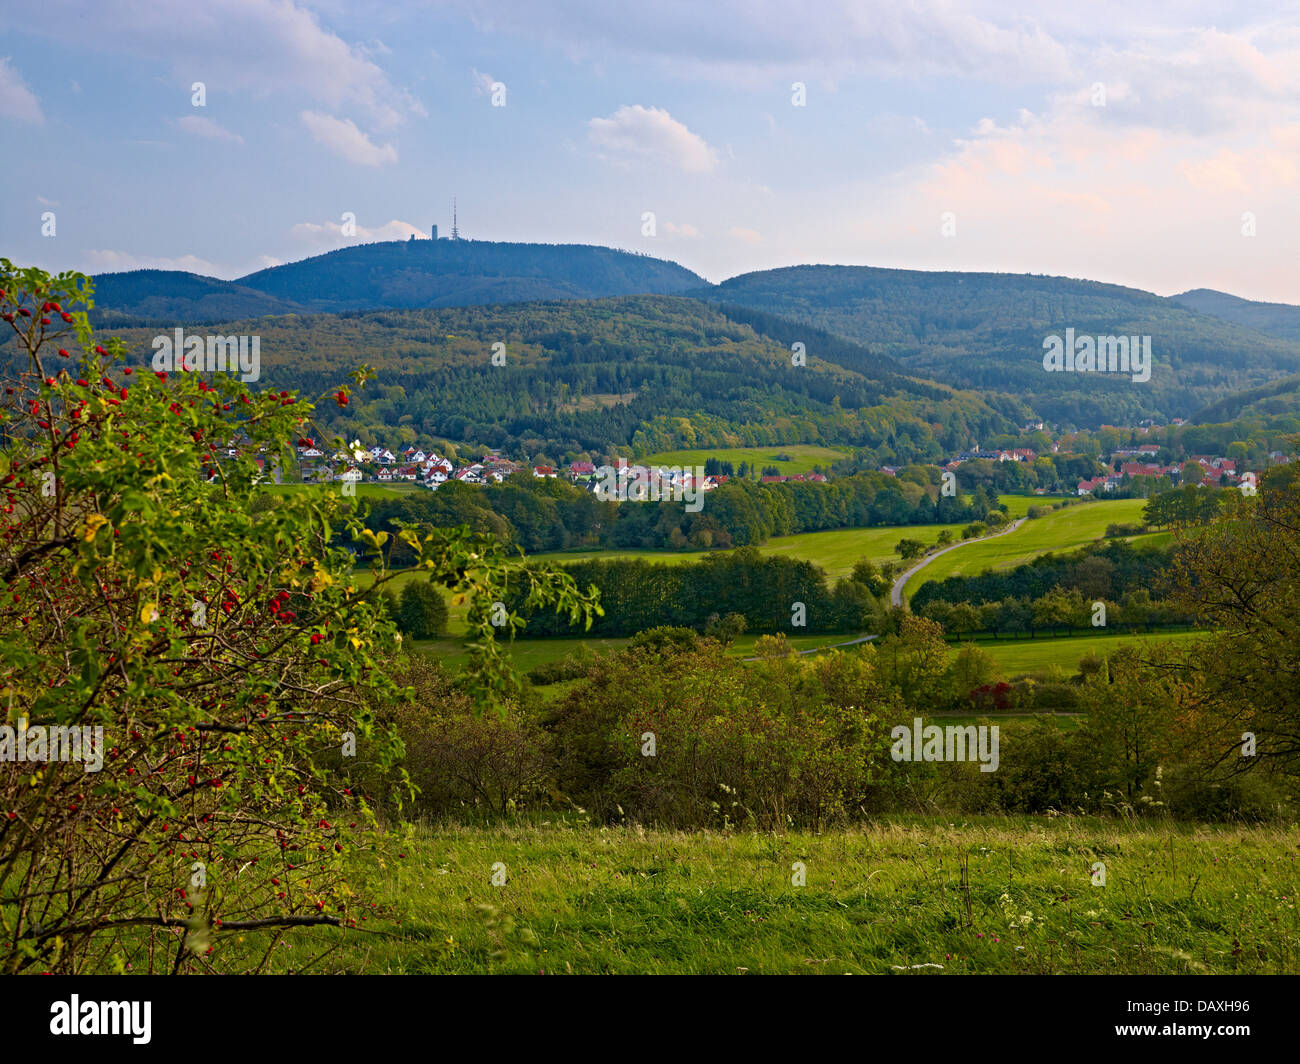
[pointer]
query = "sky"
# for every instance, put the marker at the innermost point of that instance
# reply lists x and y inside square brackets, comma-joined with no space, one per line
[1118,141]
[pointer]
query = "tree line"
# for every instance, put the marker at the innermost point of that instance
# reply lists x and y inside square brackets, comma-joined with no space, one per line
[547,514]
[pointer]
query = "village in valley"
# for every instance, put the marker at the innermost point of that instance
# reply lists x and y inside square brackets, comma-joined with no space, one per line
[380,465]
[1134,468]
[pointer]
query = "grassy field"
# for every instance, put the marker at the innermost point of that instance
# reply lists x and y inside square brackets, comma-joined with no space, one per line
[803,457]
[840,550]
[836,551]
[529,653]
[910,896]
[1018,656]
[1014,657]
[1062,530]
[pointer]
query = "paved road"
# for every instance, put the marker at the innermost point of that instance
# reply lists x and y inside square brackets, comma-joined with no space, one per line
[816,650]
[896,592]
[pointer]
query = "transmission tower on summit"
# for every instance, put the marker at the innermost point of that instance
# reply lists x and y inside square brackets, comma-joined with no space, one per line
[455,233]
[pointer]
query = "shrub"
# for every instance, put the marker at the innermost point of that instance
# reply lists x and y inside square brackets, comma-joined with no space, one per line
[666,639]
[1251,796]
[217,640]
[454,758]
[567,668]
[725,629]
[1044,768]
[422,613]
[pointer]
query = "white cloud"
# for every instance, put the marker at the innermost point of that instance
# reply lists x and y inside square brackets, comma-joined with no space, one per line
[1069,192]
[200,126]
[685,230]
[263,47]
[483,83]
[111,260]
[104,260]
[330,234]
[745,235]
[344,139]
[650,133]
[757,39]
[17,101]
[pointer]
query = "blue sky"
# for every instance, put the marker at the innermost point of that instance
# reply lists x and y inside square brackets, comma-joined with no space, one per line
[1114,141]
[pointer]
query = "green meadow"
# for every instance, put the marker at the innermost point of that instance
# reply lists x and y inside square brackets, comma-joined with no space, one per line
[800,457]
[1062,530]
[902,896]
[837,552]
[1015,657]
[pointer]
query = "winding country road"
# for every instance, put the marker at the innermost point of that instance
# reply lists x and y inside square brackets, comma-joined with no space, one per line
[896,592]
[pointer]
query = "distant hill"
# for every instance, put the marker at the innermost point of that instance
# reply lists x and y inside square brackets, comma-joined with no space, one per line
[395,274]
[172,296]
[1272,319]
[986,331]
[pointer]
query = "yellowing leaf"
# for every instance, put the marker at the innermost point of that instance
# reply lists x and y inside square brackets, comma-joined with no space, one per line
[93,524]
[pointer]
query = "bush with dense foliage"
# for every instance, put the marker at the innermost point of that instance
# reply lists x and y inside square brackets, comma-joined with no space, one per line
[219,644]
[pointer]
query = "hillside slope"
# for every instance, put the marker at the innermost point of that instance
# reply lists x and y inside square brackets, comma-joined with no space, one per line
[986,330]
[649,373]
[171,296]
[1276,404]
[448,273]
[1272,319]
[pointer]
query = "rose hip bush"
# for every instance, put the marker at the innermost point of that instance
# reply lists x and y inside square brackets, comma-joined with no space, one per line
[224,648]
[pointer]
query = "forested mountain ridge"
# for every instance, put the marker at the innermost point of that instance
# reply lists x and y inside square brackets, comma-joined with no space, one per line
[986,331]
[982,331]
[635,375]
[391,274]
[445,273]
